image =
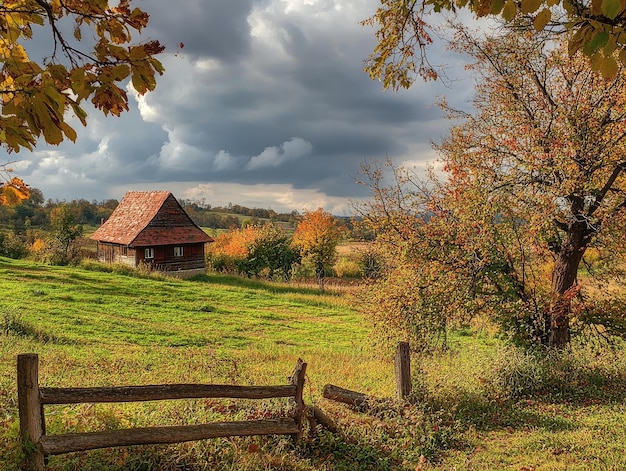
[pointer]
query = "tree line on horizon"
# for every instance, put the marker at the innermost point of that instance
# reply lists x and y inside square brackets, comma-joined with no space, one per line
[34,210]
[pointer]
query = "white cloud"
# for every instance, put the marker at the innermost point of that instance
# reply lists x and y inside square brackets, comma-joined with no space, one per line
[275,156]
[224,161]
[279,197]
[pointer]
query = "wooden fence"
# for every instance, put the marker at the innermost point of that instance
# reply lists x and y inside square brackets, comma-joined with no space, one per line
[402,368]
[32,399]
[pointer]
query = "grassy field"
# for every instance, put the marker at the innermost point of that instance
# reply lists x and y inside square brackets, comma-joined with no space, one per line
[481,405]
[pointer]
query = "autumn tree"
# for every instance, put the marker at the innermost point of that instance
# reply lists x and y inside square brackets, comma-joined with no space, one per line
[534,180]
[404,31]
[39,96]
[316,238]
[65,235]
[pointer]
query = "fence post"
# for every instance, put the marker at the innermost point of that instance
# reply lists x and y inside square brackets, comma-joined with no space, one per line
[297,378]
[402,366]
[32,426]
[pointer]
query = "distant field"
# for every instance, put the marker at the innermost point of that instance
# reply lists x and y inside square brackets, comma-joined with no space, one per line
[351,247]
[94,329]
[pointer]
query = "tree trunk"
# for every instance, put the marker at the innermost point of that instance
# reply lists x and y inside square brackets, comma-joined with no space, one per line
[564,279]
[319,273]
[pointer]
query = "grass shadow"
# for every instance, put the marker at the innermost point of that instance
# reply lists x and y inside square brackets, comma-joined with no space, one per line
[12,324]
[273,287]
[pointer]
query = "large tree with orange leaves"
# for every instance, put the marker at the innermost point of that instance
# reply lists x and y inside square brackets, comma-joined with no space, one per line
[535,181]
[316,238]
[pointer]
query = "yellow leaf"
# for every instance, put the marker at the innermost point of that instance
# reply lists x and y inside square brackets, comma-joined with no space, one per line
[45,124]
[137,53]
[139,83]
[53,135]
[482,7]
[609,68]
[569,8]
[611,8]
[596,61]
[581,37]
[68,131]
[610,47]
[496,7]
[56,98]
[509,11]
[18,53]
[542,19]
[530,6]
[80,113]
[120,72]
[596,7]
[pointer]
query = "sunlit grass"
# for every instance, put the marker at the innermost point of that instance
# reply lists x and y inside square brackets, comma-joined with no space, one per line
[92,328]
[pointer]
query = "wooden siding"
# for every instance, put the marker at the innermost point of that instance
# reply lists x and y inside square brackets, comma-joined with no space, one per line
[114,253]
[164,259]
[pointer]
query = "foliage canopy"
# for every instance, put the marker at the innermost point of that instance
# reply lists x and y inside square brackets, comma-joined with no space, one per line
[595,27]
[12,189]
[38,94]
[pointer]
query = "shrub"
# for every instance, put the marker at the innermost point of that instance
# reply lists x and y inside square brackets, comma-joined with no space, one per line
[13,246]
[577,374]
[223,263]
[370,263]
[259,251]
[347,267]
[38,247]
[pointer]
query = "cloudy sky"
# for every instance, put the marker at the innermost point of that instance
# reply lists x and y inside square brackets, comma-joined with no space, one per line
[266,105]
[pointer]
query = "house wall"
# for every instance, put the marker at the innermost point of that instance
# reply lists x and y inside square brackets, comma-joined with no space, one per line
[192,262]
[164,259]
[114,253]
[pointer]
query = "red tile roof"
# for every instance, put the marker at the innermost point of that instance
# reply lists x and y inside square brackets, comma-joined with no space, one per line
[146,218]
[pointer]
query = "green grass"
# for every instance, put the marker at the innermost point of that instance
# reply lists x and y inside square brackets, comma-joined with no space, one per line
[75,306]
[481,405]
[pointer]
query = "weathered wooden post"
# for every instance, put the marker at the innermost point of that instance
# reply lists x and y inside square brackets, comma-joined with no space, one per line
[346,396]
[297,379]
[402,366]
[32,426]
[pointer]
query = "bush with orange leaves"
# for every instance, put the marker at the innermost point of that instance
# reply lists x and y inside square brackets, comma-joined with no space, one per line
[255,250]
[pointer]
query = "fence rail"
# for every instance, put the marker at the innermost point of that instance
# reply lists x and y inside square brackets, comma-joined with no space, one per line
[32,399]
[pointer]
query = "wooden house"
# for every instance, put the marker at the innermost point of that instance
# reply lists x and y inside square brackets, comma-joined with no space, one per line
[152,228]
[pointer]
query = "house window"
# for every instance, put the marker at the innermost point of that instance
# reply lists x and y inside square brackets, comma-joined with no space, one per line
[125,250]
[178,251]
[149,252]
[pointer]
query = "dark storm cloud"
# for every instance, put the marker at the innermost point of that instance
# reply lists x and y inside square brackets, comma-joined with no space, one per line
[299,83]
[204,28]
[267,95]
